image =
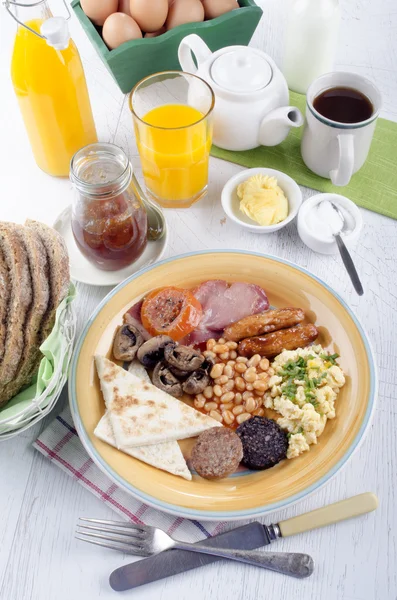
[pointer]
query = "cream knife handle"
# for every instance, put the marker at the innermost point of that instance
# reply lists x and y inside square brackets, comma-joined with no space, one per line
[333,513]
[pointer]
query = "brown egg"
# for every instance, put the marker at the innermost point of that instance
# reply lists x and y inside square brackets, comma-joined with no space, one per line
[119,28]
[155,33]
[151,15]
[215,8]
[184,11]
[124,7]
[98,10]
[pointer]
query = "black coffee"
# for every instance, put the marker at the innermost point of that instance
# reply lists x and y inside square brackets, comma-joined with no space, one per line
[344,104]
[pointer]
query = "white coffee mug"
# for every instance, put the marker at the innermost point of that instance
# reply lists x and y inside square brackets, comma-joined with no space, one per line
[337,150]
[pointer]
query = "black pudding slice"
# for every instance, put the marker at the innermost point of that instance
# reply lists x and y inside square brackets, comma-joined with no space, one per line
[264,443]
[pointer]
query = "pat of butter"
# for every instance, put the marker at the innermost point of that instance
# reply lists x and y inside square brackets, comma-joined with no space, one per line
[262,200]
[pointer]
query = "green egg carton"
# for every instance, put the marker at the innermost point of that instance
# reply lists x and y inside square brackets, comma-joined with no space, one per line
[134,60]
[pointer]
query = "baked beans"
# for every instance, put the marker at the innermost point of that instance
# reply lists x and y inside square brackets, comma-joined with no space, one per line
[238,384]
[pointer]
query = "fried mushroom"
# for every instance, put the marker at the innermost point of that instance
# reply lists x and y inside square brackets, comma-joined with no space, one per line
[152,351]
[183,358]
[127,341]
[208,364]
[196,382]
[179,373]
[163,379]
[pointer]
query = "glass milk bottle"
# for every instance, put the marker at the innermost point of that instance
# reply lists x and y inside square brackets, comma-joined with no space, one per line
[50,86]
[311,38]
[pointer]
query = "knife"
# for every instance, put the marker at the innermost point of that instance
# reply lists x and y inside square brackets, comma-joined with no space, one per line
[248,537]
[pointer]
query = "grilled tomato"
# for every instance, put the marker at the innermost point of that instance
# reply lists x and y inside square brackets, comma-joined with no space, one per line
[171,311]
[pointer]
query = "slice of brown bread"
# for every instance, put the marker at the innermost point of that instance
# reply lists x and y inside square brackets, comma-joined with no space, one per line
[4,299]
[39,273]
[16,258]
[59,275]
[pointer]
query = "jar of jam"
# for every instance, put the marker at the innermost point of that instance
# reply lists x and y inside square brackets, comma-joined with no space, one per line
[109,222]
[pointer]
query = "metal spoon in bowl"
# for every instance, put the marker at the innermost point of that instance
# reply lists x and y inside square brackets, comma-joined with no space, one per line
[345,255]
[155,219]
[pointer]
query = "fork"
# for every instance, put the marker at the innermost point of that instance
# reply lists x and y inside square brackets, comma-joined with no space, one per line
[143,540]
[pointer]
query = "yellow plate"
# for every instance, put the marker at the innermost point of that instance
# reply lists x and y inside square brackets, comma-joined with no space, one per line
[247,494]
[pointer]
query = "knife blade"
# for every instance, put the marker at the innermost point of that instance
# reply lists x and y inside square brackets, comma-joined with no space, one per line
[171,562]
[248,537]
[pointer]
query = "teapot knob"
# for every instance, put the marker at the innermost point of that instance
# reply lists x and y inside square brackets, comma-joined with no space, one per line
[192,44]
[241,61]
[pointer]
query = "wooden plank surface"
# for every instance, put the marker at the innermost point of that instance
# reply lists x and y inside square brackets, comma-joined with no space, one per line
[39,504]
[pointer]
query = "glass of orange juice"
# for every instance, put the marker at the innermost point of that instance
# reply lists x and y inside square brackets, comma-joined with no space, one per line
[172,113]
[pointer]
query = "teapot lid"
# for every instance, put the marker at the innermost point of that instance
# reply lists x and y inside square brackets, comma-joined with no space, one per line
[241,70]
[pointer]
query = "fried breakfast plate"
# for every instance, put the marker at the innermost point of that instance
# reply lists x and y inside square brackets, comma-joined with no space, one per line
[244,494]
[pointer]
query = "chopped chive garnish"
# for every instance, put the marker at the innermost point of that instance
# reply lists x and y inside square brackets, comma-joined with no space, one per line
[330,357]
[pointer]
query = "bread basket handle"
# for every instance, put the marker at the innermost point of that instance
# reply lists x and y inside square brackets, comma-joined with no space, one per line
[192,44]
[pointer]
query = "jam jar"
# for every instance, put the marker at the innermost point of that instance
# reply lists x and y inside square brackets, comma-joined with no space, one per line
[109,222]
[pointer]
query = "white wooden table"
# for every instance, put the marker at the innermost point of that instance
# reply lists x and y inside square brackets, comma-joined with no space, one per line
[39,504]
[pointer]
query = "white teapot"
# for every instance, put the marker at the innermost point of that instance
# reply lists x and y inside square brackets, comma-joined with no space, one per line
[251,94]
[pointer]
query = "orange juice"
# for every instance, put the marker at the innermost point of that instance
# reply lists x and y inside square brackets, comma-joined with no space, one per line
[53,99]
[174,150]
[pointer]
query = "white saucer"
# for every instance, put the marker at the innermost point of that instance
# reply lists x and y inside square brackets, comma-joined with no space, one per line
[82,270]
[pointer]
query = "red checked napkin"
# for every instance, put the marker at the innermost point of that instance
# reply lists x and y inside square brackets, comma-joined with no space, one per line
[60,443]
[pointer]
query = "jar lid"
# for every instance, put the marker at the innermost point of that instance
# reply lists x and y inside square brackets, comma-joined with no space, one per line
[241,70]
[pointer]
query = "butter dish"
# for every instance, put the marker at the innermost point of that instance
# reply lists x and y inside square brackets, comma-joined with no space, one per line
[315,227]
[231,201]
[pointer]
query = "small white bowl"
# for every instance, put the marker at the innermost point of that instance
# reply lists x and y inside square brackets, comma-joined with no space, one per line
[319,239]
[231,202]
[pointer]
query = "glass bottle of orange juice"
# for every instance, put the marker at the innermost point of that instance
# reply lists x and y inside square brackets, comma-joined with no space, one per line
[50,86]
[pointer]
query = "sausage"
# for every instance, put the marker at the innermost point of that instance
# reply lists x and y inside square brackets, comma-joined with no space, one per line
[273,343]
[217,453]
[265,322]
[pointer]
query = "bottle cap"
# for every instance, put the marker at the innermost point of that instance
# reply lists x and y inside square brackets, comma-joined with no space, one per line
[56,32]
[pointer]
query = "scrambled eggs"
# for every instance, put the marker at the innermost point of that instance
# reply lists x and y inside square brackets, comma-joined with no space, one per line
[303,390]
[262,200]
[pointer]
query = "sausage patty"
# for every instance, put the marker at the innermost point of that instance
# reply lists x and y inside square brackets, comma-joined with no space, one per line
[264,443]
[217,453]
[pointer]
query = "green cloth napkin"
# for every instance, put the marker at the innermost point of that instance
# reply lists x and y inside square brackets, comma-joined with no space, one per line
[52,350]
[373,187]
